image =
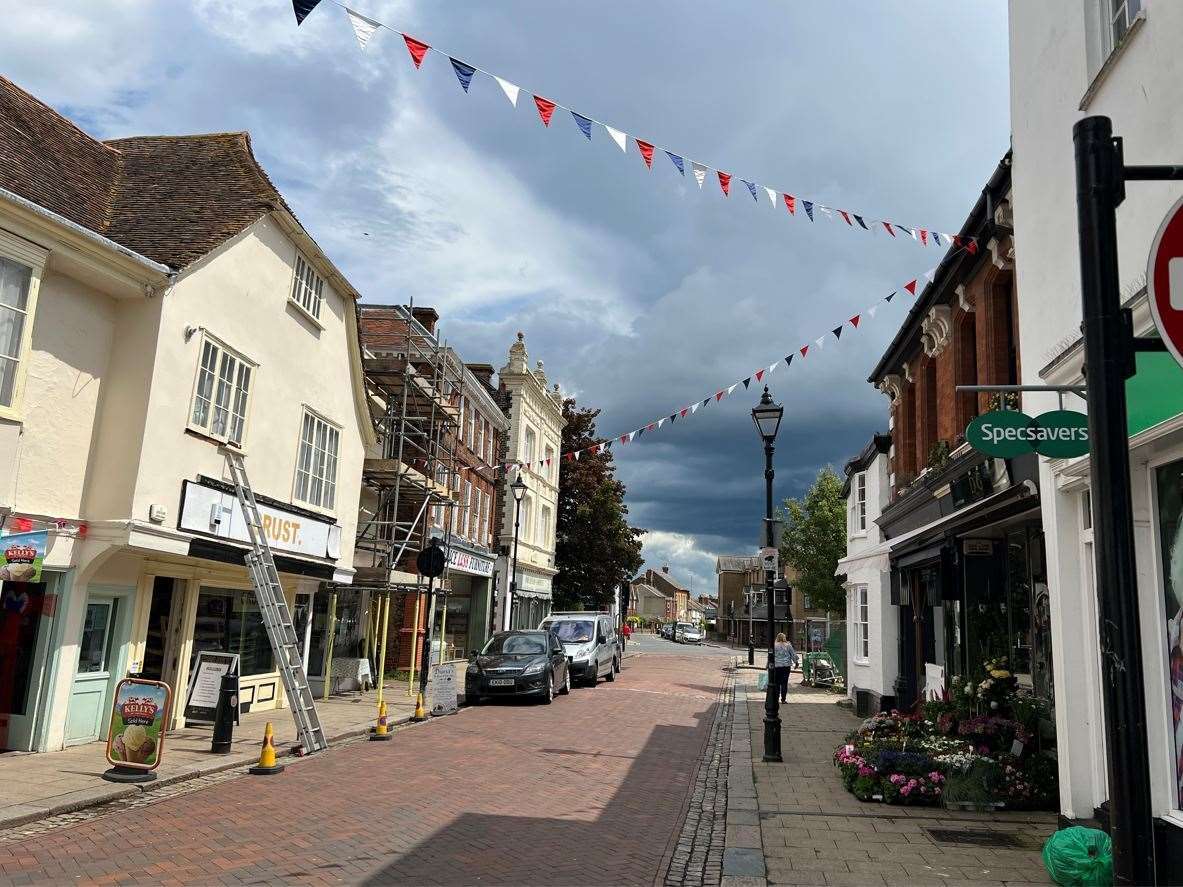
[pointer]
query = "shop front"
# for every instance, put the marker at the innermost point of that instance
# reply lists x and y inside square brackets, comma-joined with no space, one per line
[533,603]
[464,611]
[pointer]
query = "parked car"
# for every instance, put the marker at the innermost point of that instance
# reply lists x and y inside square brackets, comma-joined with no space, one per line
[590,642]
[689,633]
[518,663]
[667,631]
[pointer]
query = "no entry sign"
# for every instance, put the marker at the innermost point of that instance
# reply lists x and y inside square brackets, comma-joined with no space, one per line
[1164,280]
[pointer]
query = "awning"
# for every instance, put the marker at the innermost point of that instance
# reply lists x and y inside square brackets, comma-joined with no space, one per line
[915,543]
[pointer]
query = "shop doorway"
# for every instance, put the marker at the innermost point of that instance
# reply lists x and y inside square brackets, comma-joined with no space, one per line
[101,662]
[162,648]
[26,613]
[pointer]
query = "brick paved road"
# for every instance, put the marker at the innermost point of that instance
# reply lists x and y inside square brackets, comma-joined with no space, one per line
[589,790]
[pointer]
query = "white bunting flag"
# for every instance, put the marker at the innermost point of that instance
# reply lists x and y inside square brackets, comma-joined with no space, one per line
[363,28]
[511,91]
[700,173]
[826,210]
[578,453]
[619,137]
[931,274]
[772,367]
[771,196]
[871,311]
[732,387]
[660,422]
[694,408]
[821,342]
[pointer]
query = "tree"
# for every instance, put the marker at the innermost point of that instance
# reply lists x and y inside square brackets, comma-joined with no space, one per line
[814,539]
[595,548]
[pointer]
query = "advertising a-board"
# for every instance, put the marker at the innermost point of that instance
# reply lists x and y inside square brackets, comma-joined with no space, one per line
[138,718]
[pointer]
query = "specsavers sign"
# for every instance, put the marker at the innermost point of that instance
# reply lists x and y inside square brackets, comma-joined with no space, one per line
[210,511]
[1058,434]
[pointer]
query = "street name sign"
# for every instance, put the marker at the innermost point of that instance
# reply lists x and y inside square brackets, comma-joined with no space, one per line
[1164,280]
[1058,434]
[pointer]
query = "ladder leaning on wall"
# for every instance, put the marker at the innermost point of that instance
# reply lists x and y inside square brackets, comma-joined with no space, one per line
[277,618]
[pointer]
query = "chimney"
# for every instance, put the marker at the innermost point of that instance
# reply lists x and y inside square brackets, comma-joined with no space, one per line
[428,317]
[665,570]
[483,371]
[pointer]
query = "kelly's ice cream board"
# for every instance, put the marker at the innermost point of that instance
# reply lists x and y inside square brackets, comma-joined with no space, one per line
[138,719]
[21,555]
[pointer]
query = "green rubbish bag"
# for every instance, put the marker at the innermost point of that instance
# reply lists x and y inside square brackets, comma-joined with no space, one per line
[762,681]
[1079,856]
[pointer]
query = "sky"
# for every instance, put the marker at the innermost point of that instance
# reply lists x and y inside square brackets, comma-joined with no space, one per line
[639,292]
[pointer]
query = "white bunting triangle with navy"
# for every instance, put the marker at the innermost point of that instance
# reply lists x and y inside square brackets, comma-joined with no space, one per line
[363,28]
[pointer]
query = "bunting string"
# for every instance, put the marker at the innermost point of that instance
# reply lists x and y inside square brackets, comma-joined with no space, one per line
[364,28]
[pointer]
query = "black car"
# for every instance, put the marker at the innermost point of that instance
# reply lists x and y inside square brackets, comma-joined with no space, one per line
[518,663]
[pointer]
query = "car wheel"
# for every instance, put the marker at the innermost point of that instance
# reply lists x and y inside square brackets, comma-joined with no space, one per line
[550,689]
[592,680]
[616,665]
[611,675]
[566,688]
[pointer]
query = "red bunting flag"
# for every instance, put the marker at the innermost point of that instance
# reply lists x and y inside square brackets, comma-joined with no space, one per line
[846,216]
[416,48]
[791,204]
[804,350]
[651,426]
[759,375]
[854,321]
[911,287]
[972,247]
[719,395]
[725,182]
[890,230]
[683,412]
[624,438]
[646,152]
[545,108]
[923,237]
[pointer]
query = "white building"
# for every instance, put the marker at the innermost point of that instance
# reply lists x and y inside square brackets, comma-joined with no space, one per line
[534,442]
[159,301]
[872,635]
[1118,58]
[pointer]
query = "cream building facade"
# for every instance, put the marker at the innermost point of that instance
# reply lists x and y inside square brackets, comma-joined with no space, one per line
[534,444]
[159,301]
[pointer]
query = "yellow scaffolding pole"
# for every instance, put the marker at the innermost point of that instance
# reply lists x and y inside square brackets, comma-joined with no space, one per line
[414,641]
[380,678]
[328,663]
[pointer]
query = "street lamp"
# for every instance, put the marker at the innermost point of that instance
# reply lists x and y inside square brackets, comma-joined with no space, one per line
[518,488]
[767,416]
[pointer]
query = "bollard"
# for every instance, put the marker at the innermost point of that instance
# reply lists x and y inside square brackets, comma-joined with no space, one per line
[751,653]
[420,709]
[381,731]
[267,765]
[224,715]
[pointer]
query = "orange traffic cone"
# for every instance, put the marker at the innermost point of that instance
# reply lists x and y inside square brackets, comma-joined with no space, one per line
[381,731]
[267,765]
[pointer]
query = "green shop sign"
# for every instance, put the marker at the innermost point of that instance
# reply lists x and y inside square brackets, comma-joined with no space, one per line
[1058,434]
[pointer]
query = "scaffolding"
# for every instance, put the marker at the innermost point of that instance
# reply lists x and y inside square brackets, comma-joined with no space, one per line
[413,386]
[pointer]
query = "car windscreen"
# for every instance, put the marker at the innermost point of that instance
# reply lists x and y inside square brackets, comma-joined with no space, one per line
[573,631]
[501,644]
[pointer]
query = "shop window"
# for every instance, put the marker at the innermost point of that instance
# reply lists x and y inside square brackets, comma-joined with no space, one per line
[307,287]
[228,621]
[221,395]
[1169,482]
[16,309]
[316,466]
[22,605]
[94,650]
[349,629]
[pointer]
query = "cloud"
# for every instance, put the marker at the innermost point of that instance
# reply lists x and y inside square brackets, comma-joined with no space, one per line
[689,564]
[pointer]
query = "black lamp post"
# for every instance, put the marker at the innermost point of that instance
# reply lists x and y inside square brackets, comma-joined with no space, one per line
[767,416]
[518,488]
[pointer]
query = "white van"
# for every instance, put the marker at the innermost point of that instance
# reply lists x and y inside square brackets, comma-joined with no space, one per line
[590,642]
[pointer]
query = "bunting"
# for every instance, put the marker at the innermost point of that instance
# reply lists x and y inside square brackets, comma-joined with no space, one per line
[677,161]
[365,27]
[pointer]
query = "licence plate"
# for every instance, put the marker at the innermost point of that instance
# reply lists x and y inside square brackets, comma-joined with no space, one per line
[500,682]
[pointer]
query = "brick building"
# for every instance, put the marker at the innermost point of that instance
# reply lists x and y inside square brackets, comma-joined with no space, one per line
[961,531]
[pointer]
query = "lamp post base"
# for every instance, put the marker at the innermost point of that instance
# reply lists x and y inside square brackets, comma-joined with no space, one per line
[772,753]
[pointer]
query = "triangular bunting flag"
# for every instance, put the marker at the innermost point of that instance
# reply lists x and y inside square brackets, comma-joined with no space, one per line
[705,401]
[923,237]
[862,224]
[820,341]
[825,209]
[804,350]
[661,422]
[545,108]
[911,233]
[694,407]
[511,91]
[731,388]
[653,426]
[747,381]
[773,366]
[808,209]
[624,438]
[936,237]
[677,161]
[788,360]
[837,331]
[641,431]
[845,215]
[889,298]
[854,321]
[673,418]
[911,287]
[463,72]
[759,375]
[751,188]
[646,152]
[791,204]
[931,274]
[682,412]
[578,453]
[771,196]
[700,173]
[583,123]
[871,311]
[724,182]
[619,137]
[302,8]
[416,48]
[608,445]
[972,247]
[363,28]
[719,395]
[890,230]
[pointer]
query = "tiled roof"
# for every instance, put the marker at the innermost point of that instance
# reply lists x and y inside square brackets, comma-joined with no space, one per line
[171,199]
[734,564]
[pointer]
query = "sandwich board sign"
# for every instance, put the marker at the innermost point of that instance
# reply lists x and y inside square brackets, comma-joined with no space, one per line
[1164,280]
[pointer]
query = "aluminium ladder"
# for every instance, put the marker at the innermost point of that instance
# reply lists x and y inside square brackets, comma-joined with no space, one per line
[277,617]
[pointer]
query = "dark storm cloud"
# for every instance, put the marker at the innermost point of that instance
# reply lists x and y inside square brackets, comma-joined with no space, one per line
[640,292]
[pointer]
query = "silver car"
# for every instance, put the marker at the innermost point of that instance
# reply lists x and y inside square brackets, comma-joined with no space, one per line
[688,633]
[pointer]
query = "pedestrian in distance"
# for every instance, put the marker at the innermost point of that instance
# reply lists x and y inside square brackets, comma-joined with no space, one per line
[784,659]
[626,632]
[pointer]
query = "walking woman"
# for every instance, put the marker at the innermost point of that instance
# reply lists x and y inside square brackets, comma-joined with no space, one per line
[784,659]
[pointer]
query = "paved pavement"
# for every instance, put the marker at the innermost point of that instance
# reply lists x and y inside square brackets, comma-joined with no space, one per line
[794,823]
[593,789]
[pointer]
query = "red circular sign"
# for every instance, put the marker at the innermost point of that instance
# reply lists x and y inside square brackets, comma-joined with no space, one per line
[1164,280]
